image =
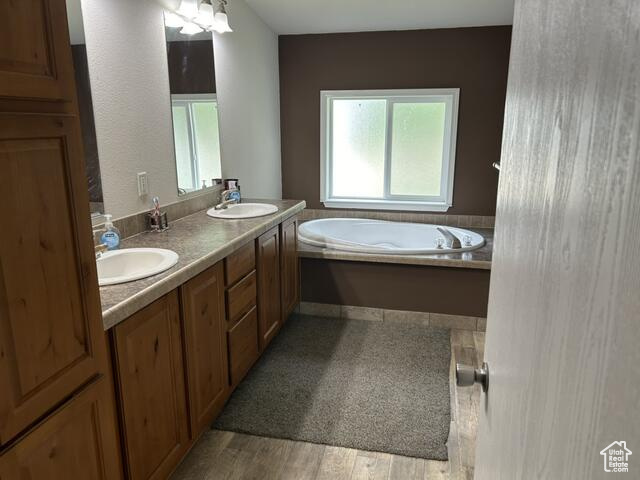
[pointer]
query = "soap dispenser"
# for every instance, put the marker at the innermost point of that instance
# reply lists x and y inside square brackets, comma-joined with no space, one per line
[111,236]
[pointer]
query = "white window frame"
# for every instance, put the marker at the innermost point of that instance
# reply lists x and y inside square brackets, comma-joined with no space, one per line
[440,203]
[187,100]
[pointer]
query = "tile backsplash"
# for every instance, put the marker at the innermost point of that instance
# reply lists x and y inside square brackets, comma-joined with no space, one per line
[137,223]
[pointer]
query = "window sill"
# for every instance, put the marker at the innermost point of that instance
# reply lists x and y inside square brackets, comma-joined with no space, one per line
[388,205]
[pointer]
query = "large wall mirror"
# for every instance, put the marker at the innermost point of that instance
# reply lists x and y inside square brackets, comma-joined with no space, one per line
[194,107]
[85,105]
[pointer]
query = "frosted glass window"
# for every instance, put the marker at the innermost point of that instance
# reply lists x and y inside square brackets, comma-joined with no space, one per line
[182,142]
[417,148]
[388,149]
[358,134]
[205,119]
[197,140]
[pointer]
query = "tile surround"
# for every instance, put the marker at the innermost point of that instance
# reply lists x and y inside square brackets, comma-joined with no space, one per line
[361,313]
[476,259]
[458,322]
[406,316]
[482,325]
[465,221]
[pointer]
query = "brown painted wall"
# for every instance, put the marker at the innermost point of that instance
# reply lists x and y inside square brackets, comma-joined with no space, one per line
[87,122]
[472,59]
[191,68]
[456,291]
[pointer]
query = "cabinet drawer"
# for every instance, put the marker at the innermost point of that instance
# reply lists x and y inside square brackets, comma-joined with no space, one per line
[241,297]
[239,263]
[243,346]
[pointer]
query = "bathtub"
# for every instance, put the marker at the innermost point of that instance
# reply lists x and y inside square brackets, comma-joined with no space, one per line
[377,236]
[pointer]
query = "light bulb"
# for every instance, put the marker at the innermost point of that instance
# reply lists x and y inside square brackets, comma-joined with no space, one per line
[190,29]
[205,15]
[172,20]
[188,8]
[221,24]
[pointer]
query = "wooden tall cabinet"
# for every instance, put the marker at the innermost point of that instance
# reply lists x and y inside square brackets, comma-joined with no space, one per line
[69,444]
[150,373]
[205,340]
[51,324]
[35,55]
[289,267]
[53,357]
[268,269]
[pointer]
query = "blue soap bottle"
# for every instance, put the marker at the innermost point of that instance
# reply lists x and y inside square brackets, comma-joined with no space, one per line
[111,236]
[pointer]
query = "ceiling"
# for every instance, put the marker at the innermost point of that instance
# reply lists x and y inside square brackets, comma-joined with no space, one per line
[324,16]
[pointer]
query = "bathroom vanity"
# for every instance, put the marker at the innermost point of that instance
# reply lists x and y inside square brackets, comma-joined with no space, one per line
[184,339]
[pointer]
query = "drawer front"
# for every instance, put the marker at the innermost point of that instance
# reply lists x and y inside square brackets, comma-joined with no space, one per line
[243,346]
[241,297]
[239,263]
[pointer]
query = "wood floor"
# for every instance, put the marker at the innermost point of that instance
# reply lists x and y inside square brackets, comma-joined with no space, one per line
[226,455]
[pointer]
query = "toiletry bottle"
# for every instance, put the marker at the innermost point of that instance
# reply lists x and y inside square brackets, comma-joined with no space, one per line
[111,236]
[233,186]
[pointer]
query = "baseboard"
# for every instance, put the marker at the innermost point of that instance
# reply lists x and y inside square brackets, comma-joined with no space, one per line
[443,320]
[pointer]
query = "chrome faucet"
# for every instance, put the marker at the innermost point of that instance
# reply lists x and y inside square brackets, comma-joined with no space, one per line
[226,200]
[450,239]
[100,249]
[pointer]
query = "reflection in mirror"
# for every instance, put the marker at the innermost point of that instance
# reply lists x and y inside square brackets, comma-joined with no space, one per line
[194,108]
[85,105]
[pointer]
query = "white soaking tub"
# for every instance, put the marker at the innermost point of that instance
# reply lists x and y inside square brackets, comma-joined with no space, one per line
[377,236]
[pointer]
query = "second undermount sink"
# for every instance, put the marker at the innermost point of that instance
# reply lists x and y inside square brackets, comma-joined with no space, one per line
[243,210]
[129,264]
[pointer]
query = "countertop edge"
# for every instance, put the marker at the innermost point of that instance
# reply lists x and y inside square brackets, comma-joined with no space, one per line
[121,311]
[328,254]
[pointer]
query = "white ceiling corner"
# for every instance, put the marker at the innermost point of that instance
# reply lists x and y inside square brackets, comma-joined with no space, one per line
[329,16]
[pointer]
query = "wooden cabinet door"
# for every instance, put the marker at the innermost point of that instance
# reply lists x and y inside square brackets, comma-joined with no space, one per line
[205,339]
[268,269]
[290,280]
[51,335]
[79,441]
[148,348]
[35,56]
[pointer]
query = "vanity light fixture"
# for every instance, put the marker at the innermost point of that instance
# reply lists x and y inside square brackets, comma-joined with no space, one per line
[190,28]
[221,24]
[194,16]
[172,20]
[205,15]
[188,8]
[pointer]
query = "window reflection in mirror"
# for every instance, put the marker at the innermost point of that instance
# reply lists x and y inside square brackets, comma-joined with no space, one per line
[85,105]
[194,109]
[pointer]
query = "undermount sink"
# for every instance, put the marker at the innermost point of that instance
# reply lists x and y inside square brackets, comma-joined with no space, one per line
[129,264]
[243,210]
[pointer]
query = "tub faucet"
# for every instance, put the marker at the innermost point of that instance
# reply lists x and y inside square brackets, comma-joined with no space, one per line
[451,240]
[226,199]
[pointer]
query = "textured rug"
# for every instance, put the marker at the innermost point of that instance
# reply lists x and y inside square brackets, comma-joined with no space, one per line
[374,386]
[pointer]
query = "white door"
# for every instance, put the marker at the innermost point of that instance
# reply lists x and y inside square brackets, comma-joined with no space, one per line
[563,336]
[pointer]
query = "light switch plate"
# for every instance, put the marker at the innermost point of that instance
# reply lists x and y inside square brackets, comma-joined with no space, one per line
[143,184]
